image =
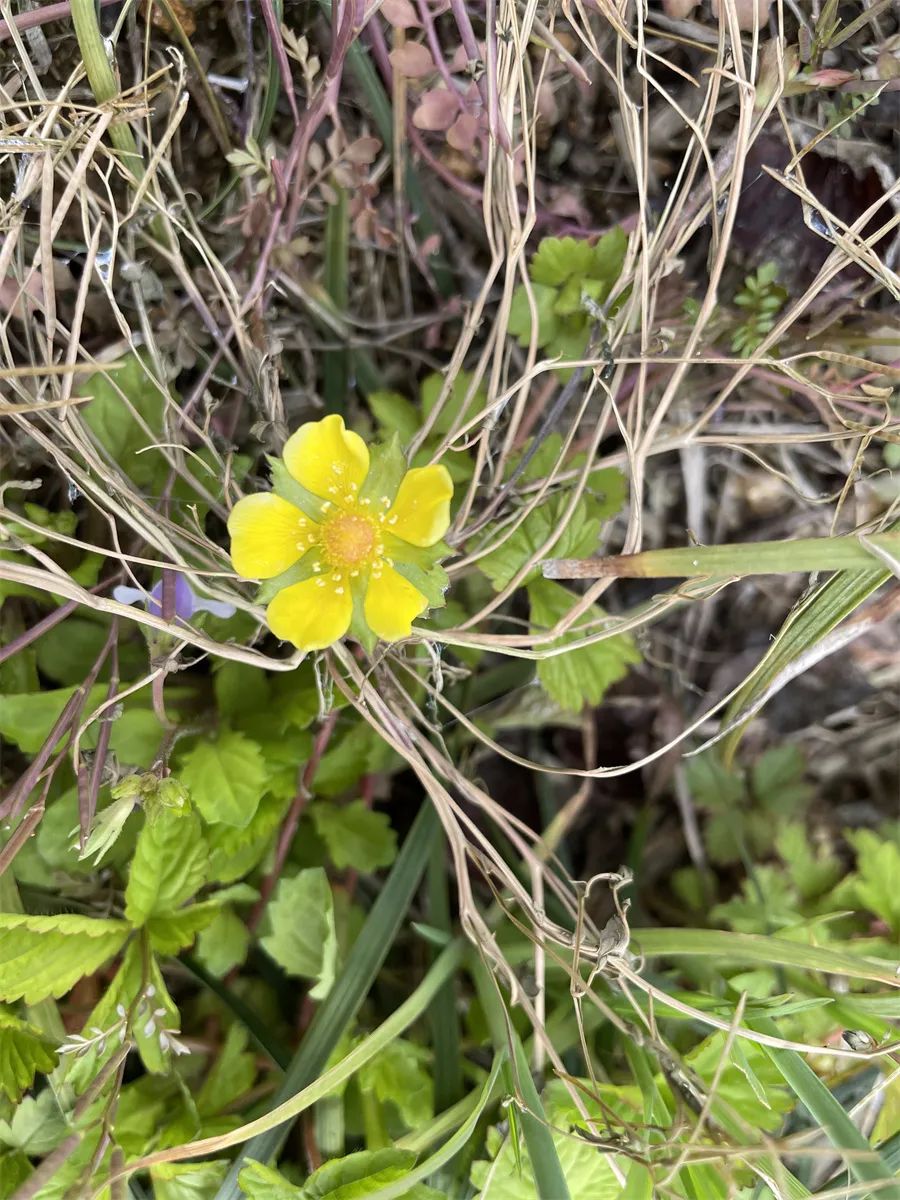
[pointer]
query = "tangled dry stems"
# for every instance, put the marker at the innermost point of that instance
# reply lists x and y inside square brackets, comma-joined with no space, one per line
[665,394]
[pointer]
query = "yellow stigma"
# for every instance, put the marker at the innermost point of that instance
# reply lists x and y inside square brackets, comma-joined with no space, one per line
[348,540]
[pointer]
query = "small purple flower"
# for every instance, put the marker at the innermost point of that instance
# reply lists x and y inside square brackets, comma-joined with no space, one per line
[187,602]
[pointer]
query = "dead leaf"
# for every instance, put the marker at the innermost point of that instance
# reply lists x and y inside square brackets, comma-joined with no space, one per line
[750,13]
[462,133]
[363,151]
[400,14]
[412,60]
[437,110]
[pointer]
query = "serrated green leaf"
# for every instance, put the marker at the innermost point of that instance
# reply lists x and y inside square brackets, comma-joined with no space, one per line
[224,943]
[777,779]
[360,751]
[557,260]
[24,1050]
[356,836]
[173,931]
[231,1075]
[259,1182]
[14,1170]
[520,323]
[510,1177]
[400,1075]
[609,256]
[578,540]
[187,1181]
[812,871]
[394,414]
[168,867]
[234,852]
[37,1125]
[118,427]
[734,1085]
[135,737]
[226,778]
[302,937]
[580,676]
[876,883]
[45,956]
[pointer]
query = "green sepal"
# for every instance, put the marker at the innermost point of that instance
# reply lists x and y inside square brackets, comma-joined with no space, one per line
[387,466]
[287,488]
[423,556]
[358,627]
[432,581]
[300,571]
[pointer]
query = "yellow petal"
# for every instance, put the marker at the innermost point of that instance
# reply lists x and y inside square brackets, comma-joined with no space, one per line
[421,512]
[392,604]
[327,458]
[311,614]
[268,535]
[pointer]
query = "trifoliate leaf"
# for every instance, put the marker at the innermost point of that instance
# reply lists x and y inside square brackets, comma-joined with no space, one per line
[168,867]
[226,778]
[223,944]
[576,677]
[45,956]
[24,1051]
[302,937]
[355,836]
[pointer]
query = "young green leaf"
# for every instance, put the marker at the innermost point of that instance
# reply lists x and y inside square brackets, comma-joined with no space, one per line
[169,865]
[355,836]
[126,427]
[226,778]
[579,538]
[581,676]
[394,414]
[224,943]
[27,718]
[302,937]
[187,1181]
[231,1074]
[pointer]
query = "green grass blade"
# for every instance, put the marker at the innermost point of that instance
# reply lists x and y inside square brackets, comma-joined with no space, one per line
[448,1086]
[863,1161]
[748,558]
[837,599]
[758,948]
[450,1148]
[350,989]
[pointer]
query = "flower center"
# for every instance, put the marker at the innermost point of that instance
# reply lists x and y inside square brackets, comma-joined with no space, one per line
[348,540]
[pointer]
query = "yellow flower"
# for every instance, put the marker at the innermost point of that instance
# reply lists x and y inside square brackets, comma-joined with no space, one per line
[352,543]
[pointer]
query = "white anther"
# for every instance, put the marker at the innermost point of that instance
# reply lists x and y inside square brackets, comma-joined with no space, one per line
[392,520]
[339,591]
